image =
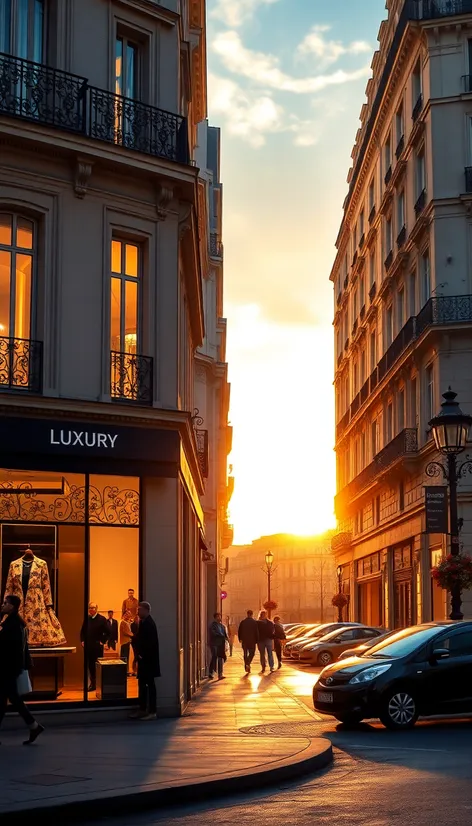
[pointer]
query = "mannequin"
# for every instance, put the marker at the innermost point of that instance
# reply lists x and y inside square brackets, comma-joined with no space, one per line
[28,578]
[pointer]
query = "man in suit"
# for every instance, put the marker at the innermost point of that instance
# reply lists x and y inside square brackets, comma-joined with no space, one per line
[146,644]
[112,625]
[94,632]
[248,635]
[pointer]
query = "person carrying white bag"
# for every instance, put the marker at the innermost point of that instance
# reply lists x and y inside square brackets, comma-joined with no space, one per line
[15,662]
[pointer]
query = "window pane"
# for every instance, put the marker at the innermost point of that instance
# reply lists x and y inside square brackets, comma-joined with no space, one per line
[131,316]
[38,31]
[115,314]
[5,262]
[23,296]
[24,234]
[5,23]
[131,67]
[119,67]
[116,256]
[5,225]
[22,29]
[131,265]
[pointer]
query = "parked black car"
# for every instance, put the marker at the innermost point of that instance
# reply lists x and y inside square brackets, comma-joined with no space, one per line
[423,670]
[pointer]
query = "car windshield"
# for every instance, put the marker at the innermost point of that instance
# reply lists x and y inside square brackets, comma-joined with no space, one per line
[299,632]
[403,643]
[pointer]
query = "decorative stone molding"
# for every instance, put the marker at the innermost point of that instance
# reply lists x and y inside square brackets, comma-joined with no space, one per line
[185,219]
[164,196]
[83,171]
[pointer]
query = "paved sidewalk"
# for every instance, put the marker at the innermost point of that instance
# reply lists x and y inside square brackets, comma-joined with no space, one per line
[100,769]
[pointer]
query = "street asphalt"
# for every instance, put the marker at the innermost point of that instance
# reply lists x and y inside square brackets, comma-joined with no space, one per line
[378,778]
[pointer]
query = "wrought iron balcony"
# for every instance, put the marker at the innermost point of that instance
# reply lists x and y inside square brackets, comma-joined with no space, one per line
[435,9]
[401,238]
[201,437]
[355,404]
[341,541]
[372,215]
[388,175]
[404,444]
[362,240]
[396,348]
[420,203]
[362,312]
[354,259]
[444,309]
[400,147]
[135,125]
[39,93]
[21,364]
[131,378]
[364,394]
[372,291]
[417,109]
[216,247]
[388,261]
[468,179]
[354,328]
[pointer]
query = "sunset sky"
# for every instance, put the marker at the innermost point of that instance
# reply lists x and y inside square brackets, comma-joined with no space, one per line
[286,84]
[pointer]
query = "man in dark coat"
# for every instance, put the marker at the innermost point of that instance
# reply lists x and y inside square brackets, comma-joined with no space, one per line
[146,645]
[266,640]
[112,625]
[217,639]
[248,635]
[95,632]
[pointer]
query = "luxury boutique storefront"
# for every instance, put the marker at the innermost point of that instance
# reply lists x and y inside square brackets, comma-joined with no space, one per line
[104,515]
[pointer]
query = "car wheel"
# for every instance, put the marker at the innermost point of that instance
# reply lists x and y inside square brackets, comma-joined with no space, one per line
[325,658]
[399,711]
[349,719]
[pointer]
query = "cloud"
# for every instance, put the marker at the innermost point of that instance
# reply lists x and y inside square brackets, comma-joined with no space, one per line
[236,12]
[328,52]
[248,115]
[264,69]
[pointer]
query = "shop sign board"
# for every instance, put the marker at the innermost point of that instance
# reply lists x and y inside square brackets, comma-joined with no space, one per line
[436,506]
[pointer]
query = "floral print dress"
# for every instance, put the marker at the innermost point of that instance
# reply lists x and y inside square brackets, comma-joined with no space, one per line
[44,628]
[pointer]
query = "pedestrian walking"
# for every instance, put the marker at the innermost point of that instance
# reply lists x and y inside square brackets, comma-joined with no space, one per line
[231,636]
[248,635]
[147,655]
[217,639]
[15,662]
[279,636]
[266,640]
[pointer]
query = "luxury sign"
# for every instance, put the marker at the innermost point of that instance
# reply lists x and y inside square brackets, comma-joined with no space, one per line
[82,438]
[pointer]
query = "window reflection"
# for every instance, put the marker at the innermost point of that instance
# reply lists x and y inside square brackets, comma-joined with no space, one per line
[124,311]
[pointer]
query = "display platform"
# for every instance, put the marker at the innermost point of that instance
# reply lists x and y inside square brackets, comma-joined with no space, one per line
[47,674]
[111,679]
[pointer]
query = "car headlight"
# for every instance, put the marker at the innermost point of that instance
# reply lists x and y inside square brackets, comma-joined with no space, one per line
[369,674]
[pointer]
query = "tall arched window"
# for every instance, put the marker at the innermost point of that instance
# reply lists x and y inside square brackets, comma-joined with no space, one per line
[16,287]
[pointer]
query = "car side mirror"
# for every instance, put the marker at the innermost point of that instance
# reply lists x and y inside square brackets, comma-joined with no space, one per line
[441,654]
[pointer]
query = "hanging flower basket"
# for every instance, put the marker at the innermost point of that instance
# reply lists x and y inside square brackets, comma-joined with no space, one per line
[339,601]
[270,605]
[453,571]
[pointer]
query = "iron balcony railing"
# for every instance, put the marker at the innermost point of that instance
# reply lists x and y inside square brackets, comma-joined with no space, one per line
[439,310]
[404,444]
[468,179]
[131,378]
[388,176]
[388,261]
[420,203]
[434,9]
[39,93]
[201,437]
[21,364]
[417,108]
[400,147]
[372,291]
[216,247]
[372,214]
[401,237]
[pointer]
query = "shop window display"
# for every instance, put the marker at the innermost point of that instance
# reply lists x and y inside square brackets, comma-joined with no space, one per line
[54,544]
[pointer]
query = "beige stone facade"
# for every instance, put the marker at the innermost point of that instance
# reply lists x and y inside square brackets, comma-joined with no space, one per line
[105,261]
[303,578]
[403,309]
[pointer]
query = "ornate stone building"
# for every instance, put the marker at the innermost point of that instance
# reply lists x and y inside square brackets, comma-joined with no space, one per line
[403,307]
[105,255]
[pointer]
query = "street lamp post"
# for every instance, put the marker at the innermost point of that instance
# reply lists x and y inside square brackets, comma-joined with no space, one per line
[450,431]
[340,590]
[269,561]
